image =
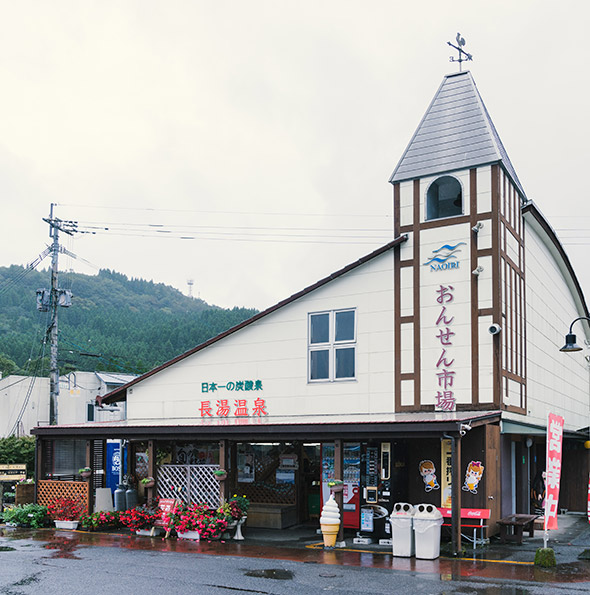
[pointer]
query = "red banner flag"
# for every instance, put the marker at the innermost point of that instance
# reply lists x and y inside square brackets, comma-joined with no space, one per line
[553,469]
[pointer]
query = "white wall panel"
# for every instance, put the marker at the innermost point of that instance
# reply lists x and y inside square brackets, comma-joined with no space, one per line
[486,360]
[484,189]
[406,192]
[556,381]
[407,291]
[407,248]
[459,309]
[512,247]
[407,396]
[274,351]
[407,342]
[484,235]
[484,283]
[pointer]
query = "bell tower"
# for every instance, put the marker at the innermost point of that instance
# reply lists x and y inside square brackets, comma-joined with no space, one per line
[459,279]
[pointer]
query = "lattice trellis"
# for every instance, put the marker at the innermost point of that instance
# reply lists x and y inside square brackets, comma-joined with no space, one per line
[48,491]
[196,483]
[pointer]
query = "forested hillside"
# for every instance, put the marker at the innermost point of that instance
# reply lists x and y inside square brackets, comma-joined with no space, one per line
[113,324]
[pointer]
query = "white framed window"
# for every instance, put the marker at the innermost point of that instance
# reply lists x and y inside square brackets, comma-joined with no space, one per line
[332,345]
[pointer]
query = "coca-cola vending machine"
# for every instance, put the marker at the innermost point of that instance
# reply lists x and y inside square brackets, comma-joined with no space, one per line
[351,476]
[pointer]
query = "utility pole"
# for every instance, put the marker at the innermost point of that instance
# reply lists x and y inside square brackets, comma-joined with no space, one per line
[55,226]
[53,365]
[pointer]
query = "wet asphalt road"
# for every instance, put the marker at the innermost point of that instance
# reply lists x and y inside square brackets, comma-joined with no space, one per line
[63,562]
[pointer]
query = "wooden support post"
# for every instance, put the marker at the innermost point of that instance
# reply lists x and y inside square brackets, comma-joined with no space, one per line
[300,488]
[39,446]
[339,497]
[233,466]
[492,476]
[131,447]
[89,463]
[456,496]
[151,492]
[223,485]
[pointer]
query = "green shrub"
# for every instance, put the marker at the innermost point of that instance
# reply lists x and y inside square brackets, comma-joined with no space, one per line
[30,515]
[545,557]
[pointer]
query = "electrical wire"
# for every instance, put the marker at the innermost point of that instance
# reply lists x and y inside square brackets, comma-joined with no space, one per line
[109,359]
[257,238]
[214,212]
[11,281]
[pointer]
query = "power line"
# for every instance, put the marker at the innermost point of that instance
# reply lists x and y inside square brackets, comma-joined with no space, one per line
[118,226]
[213,212]
[11,281]
[275,238]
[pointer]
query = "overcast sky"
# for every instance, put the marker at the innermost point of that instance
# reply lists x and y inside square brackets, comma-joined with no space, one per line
[266,129]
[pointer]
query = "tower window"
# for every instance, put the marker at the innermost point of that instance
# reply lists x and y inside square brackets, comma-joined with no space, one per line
[444,198]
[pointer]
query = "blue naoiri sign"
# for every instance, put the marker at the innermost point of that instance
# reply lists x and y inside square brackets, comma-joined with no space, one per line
[444,258]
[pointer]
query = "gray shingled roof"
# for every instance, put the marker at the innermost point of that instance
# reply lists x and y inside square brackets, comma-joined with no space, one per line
[455,133]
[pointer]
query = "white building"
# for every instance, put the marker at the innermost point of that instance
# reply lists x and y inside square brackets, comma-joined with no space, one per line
[432,356]
[24,400]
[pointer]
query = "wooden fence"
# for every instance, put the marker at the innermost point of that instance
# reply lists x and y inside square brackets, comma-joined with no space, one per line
[49,490]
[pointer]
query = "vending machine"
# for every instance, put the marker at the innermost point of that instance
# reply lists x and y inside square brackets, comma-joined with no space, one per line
[351,477]
[376,490]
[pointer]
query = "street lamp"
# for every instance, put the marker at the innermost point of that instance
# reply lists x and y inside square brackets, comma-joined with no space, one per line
[570,338]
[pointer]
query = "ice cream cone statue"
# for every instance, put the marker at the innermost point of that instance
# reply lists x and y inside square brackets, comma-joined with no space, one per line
[330,522]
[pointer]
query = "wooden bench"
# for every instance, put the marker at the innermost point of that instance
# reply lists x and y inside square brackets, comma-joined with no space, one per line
[513,526]
[471,518]
[165,505]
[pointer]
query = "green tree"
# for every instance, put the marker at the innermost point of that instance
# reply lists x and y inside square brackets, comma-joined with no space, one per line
[18,450]
[7,366]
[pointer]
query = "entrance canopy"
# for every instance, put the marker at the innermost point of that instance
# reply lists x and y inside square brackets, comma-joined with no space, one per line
[324,427]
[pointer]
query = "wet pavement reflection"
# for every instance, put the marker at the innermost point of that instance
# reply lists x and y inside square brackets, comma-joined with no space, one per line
[69,544]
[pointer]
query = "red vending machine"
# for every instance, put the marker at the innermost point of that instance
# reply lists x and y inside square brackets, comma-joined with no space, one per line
[351,476]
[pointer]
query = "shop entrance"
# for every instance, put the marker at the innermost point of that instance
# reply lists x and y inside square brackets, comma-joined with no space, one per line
[269,475]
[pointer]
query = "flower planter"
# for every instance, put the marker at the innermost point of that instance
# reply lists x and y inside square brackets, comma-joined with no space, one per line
[238,536]
[70,525]
[189,535]
[221,477]
[231,527]
[337,488]
[144,532]
[25,493]
[149,484]
[86,474]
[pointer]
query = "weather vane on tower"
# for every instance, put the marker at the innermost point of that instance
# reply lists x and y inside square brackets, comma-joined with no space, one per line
[463,55]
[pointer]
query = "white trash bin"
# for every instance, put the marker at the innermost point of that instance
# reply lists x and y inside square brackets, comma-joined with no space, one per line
[427,524]
[402,533]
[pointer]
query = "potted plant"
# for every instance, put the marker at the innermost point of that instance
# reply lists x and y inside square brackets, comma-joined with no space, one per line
[211,524]
[185,519]
[336,485]
[100,520]
[85,472]
[140,519]
[148,482]
[239,506]
[66,512]
[25,515]
[220,474]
